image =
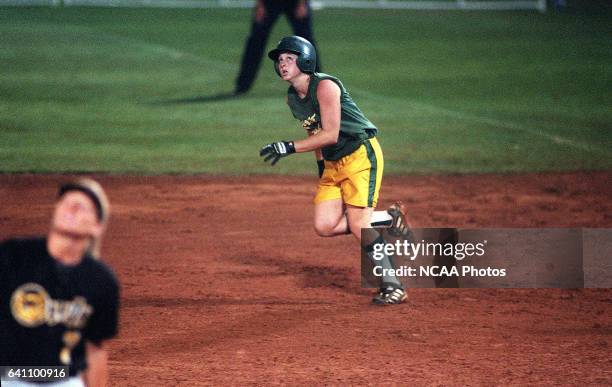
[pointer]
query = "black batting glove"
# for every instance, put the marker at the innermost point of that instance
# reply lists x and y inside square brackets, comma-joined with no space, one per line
[276,150]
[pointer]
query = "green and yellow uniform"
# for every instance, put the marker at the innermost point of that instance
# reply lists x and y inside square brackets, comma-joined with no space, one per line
[354,165]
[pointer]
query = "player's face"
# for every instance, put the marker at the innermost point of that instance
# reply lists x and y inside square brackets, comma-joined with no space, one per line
[75,213]
[287,65]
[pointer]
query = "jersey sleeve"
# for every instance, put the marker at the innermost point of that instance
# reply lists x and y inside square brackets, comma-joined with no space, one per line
[103,323]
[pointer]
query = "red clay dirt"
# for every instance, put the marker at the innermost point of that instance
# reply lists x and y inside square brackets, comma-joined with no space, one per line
[225,282]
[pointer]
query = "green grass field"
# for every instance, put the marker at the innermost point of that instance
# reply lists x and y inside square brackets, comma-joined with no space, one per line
[127,90]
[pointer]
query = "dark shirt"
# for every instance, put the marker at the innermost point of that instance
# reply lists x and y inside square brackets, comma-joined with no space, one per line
[49,310]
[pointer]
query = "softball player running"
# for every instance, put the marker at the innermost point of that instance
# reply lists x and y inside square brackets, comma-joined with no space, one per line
[58,303]
[348,154]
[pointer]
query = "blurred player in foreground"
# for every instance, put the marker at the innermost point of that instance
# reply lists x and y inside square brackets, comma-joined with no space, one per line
[59,303]
[348,155]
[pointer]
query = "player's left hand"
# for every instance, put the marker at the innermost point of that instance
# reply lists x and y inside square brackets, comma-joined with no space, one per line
[276,150]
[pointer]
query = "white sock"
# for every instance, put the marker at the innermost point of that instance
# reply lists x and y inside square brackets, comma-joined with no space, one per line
[380,219]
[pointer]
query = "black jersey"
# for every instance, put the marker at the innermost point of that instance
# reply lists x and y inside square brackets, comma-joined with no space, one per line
[49,310]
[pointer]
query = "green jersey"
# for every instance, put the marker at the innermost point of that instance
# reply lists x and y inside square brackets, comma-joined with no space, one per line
[355,128]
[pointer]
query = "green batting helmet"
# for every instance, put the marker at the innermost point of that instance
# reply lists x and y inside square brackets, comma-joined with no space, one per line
[307,55]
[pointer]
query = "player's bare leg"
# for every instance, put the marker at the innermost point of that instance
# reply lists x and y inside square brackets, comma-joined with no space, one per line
[329,218]
[358,218]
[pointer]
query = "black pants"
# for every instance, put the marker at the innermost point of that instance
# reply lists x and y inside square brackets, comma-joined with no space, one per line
[256,43]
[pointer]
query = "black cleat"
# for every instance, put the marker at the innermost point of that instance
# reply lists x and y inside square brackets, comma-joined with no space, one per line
[399,226]
[390,296]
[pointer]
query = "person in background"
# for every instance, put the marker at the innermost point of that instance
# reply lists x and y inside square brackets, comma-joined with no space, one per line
[265,14]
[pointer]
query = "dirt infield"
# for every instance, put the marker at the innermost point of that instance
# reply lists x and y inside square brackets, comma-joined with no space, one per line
[225,282]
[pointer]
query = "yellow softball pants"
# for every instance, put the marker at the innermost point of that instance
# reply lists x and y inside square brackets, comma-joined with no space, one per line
[355,178]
